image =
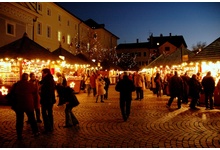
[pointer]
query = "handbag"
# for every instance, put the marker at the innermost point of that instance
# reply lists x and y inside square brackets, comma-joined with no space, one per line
[75,100]
[71,97]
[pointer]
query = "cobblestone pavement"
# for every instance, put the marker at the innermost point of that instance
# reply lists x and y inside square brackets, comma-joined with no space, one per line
[150,125]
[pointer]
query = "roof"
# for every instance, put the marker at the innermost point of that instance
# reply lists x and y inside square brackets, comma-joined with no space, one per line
[153,42]
[69,57]
[170,59]
[133,45]
[26,48]
[86,59]
[175,40]
[94,25]
[209,53]
[107,65]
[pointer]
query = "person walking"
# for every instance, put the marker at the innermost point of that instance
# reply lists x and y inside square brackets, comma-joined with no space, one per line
[195,88]
[88,85]
[25,92]
[47,99]
[100,83]
[158,81]
[70,119]
[125,87]
[36,97]
[208,84]
[138,82]
[185,96]
[176,89]
[93,83]
[107,83]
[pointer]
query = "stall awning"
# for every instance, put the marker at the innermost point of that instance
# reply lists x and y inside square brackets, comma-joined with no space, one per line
[209,53]
[26,48]
[69,57]
[107,65]
[171,59]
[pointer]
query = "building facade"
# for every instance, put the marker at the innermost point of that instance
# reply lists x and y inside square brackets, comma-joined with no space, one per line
[49,25]
[145,52]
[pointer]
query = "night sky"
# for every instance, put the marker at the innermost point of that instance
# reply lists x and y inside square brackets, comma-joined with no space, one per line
[195,21]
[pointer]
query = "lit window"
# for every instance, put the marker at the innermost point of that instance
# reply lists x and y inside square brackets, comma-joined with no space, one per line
[39,28]
[68,39]
[59,36]
[158,43]
[48,32]
[10,29]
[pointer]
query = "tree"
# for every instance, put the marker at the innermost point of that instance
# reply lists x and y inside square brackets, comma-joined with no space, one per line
[126,61]
[199,47]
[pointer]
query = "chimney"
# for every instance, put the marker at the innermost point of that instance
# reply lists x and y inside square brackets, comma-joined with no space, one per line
[170,34]
[161,35]
[137,40]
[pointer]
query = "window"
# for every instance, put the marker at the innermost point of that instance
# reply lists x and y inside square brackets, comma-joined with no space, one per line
[59,36]
[39,28]
[59,18]
[39,7]
[68,39]
[48,11]
[68,23]
[167,48]
[145,54]
[10,29]
[48,31]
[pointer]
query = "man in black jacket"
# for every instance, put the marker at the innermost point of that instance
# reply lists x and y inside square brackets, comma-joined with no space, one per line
[125,87]
[176,90]
[208,84]
[47,95]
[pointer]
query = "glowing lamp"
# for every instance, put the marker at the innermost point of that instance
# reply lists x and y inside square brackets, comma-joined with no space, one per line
[72,84]
[4,91]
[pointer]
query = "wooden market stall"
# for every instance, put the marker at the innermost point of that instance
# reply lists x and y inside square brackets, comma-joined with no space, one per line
[74,66]
[22,55]
[173,61]
[209,60]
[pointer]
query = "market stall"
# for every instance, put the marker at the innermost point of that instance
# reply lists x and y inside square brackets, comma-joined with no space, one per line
[22,55]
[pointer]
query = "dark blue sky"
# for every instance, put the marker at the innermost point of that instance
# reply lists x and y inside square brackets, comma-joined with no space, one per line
[195,21]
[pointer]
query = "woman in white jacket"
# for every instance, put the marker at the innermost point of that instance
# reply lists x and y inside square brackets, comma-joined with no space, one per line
[100,83]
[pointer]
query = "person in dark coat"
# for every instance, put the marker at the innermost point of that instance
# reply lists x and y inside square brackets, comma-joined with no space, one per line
[25,92]
[69,96]
[125,87]
[158,81]
[195,88]
[176,89]
[208,84]
[47,95]
[107,83]
[37,97]
[185,79]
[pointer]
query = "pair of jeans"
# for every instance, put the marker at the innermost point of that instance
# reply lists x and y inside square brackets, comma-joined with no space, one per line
[178,101]
[139,93]
[20,121]
[208,99]
[125,106]
[70,118]
[47,114]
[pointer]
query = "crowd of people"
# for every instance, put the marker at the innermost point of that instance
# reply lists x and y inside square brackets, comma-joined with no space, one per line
[31,96]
